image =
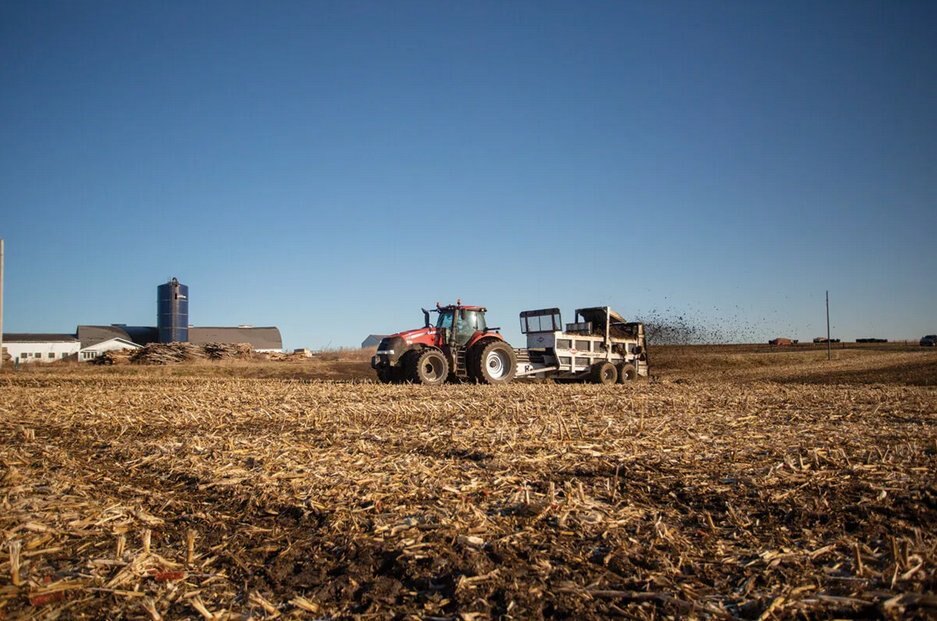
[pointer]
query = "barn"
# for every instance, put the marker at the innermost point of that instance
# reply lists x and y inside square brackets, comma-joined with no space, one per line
[40,347]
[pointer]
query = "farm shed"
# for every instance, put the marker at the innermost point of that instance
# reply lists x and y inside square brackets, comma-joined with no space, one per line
[28,347]
[261,339]
[114,344]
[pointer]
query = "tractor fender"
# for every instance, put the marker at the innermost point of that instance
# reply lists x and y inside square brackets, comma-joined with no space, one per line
[478,337]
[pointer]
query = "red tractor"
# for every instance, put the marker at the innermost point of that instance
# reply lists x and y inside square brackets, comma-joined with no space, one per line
[460,347]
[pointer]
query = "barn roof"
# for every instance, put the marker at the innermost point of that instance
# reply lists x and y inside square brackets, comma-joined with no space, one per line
[372,340]
[37,337]
[267,337]
[92,335]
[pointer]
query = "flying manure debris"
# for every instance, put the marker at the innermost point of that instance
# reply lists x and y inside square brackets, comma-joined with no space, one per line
[679,327]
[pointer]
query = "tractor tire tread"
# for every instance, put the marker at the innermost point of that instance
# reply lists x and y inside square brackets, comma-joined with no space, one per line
[479,353]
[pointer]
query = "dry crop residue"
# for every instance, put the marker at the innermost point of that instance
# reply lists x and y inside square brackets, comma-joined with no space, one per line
[213,498]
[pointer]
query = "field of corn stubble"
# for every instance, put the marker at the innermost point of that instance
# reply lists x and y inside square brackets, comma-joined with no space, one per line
[735,484]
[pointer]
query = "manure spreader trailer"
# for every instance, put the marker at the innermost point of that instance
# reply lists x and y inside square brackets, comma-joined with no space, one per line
[600,346]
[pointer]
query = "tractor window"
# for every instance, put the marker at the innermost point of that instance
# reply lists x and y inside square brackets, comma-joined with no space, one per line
[475,320]
[467,322]
[445,320]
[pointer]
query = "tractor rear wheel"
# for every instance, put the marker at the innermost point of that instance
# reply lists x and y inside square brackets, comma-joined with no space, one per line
[604,373]
[428,367]
[627,373]
[493,362]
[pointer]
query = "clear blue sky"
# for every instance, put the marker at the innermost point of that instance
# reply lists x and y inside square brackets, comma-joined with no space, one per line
[329,167]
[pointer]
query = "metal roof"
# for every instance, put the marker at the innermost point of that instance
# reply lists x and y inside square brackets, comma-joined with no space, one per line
[38,337]
[267,337]
[373,340]
[141,335]
[92,335]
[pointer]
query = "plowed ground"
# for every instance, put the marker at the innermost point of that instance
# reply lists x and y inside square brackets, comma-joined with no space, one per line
[734,488]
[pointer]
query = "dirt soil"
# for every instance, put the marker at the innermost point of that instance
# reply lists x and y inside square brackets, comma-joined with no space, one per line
[736,484]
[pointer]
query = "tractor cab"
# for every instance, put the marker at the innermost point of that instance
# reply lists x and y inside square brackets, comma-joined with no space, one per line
[458,325]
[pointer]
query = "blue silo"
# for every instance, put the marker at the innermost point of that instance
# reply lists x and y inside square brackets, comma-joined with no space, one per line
[172,319]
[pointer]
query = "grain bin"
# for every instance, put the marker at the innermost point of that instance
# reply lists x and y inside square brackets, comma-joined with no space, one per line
[172,319]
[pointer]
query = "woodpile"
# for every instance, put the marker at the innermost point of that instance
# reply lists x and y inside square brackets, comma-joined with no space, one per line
[109,358]
[174,353]
[167,353]
[224,351]
[276,356]
[149,496]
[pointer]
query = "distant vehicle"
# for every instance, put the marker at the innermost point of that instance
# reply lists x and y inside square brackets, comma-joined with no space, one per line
[871,340]
[823,339]
[929,341]
[782,342]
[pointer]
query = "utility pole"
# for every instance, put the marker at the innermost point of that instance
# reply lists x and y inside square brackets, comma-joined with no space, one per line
[1,303]
[829,344]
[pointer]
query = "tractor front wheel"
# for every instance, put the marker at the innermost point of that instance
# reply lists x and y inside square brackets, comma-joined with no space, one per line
[428,367]
[494,362]
[389,375]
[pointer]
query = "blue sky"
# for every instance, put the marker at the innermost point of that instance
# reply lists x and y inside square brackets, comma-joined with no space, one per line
[329,167]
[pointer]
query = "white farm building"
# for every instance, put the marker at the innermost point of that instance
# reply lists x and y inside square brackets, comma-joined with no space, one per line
[23,348]
[31,348]
[87,353]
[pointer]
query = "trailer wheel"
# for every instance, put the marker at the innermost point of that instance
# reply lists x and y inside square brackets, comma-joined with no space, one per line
[494,362]
[627,373]
[604,373]
[427,367]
